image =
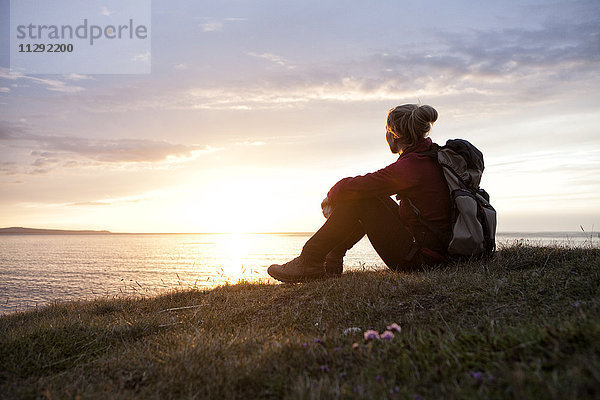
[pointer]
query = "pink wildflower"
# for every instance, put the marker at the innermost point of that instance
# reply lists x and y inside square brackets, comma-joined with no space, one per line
[394,327]
[355,346]
[387,335]
[371,334]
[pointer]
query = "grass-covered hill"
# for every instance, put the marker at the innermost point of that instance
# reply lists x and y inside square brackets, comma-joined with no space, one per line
[524,325]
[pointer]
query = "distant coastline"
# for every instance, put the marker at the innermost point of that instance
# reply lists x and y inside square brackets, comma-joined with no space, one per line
[34,231]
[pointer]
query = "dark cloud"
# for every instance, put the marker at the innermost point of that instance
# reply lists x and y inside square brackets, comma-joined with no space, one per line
[554,45]
[51,151]
[549,53]
[115,150]
[45,162]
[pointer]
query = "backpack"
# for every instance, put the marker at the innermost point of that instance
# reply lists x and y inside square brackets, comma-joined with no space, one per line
[473,217]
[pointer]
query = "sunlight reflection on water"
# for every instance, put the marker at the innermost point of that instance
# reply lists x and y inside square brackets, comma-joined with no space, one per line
[41,269]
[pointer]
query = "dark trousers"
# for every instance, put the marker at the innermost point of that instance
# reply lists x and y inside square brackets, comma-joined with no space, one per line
[378,218]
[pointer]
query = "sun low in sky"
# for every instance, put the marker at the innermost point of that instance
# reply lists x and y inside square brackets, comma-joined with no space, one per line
[253,110]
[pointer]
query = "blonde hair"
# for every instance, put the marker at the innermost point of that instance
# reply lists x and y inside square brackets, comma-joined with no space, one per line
[410,123]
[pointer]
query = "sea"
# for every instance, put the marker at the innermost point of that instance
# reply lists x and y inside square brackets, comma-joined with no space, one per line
[36,270]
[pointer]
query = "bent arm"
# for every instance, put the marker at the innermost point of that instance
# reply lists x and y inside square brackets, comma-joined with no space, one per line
[392,179]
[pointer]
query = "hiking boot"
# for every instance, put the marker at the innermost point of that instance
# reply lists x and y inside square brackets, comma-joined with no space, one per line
[334,265]
[297,270]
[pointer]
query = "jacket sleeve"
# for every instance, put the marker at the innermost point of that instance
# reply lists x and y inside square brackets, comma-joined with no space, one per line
[394,178]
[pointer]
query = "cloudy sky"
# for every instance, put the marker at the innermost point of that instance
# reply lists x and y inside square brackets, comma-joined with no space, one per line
[253,110]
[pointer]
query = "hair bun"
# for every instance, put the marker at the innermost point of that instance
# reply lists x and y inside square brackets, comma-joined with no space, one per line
[426,114]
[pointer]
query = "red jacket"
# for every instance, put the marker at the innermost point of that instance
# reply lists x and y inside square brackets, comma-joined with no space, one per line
[414,176]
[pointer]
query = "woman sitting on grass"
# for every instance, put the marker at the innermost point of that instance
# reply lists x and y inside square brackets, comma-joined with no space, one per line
[362,205]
